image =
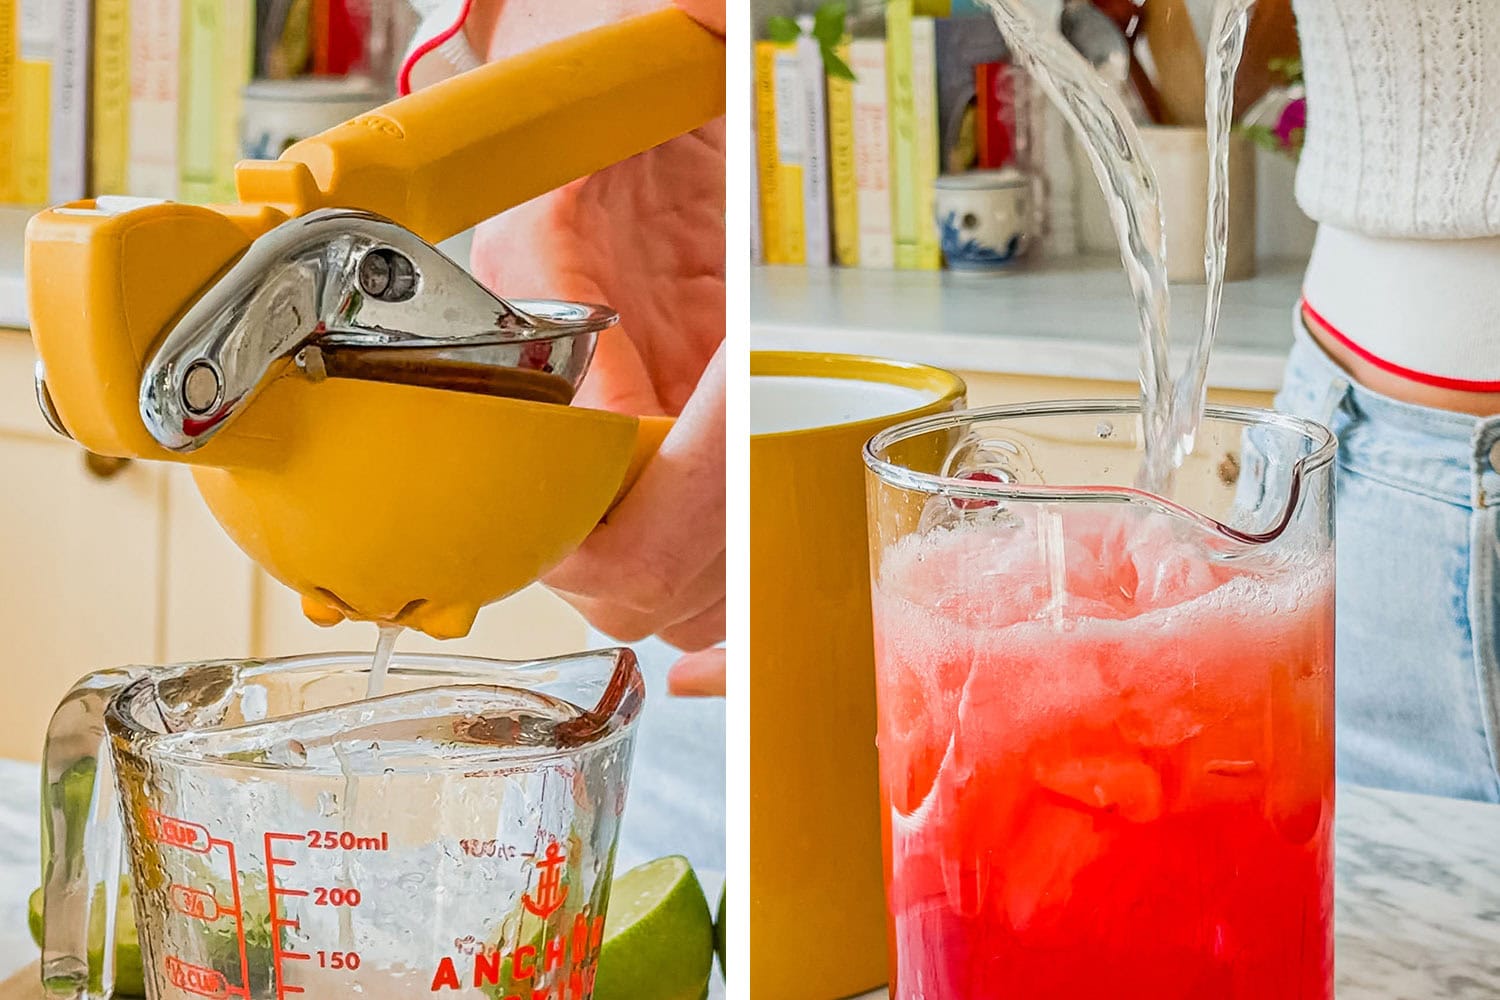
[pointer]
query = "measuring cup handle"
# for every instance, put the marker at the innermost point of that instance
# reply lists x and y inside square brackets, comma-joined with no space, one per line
[649,435]
[82,844]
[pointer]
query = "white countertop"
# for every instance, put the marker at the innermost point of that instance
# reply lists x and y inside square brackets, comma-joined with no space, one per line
[1071,319]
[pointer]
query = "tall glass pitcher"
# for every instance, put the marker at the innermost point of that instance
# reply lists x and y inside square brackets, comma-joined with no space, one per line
[285,836]
[1106,717]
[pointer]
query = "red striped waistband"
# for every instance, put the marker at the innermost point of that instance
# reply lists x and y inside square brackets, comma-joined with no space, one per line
[1411,374]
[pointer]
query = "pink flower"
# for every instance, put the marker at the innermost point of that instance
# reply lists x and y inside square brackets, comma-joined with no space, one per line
[1292,121]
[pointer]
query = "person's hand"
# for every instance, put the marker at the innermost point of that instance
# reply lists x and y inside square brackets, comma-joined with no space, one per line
[646,237]
[655,566]
[698,675]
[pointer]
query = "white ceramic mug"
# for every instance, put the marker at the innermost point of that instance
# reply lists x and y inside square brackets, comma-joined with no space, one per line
[277,113]
[1179,155]
[983,218]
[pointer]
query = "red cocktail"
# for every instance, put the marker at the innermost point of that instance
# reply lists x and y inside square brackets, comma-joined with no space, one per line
[1105,743]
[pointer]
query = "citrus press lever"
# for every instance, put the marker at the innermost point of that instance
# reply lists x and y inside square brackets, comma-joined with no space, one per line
[368,423]
[344,293]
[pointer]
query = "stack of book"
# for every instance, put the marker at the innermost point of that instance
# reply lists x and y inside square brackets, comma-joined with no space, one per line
[143,97]
[846,167]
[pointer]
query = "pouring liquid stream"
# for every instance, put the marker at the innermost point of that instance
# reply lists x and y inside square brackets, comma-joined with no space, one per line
[1171,409]
[380,665]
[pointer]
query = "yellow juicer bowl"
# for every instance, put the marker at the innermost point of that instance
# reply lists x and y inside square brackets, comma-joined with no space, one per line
[374,498]
[394,503]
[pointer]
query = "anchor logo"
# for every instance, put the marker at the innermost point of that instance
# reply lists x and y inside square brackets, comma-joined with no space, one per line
[550,892]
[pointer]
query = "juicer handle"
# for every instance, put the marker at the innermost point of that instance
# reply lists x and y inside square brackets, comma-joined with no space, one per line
[82,843]
[650,433]
[458,152]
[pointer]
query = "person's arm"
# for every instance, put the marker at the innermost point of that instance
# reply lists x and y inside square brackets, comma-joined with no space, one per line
[646,236]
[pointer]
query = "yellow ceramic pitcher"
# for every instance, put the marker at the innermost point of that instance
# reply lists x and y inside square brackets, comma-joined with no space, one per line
[817,907]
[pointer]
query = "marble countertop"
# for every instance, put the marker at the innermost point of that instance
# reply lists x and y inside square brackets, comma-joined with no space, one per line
[1417,912]
[1068,320]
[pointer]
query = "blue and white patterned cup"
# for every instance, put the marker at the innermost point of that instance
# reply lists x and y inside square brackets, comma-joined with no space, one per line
[983,218]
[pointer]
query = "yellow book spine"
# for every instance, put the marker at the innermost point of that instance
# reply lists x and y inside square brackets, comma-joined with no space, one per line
[8,191]
[198,92]
[111,138]
[929,254]
[767,167]
[238,39]
[791,154]
[903,125]
[841,160]
[37,35]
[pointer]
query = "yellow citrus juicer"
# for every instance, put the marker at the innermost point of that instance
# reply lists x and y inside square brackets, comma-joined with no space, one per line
[367,422]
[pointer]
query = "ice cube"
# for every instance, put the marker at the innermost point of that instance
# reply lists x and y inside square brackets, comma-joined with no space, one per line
[1042,861]
[1121,785]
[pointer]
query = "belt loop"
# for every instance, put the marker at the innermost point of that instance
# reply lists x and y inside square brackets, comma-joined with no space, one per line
[1486,442]
[1333,399]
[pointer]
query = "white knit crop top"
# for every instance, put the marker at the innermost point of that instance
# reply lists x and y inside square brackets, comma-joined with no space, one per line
[1403,134]
[1401,170]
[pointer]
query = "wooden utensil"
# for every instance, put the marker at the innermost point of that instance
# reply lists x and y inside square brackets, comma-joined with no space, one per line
[1272,35]
[1126,15]
[1178,58]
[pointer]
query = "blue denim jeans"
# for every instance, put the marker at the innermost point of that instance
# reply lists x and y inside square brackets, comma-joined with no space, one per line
[1418,644]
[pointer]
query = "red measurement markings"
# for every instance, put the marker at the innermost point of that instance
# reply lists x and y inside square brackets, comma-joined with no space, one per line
[195,903]
[202,905]
[278,954]
[347,840]
[243,990]
[178,833]
[195,978]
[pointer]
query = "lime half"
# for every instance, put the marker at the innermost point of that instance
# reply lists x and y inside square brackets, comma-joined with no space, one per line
[658,935]
[719,933]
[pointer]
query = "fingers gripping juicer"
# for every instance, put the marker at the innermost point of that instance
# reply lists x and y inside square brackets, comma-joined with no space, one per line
[397,444]
[372,426]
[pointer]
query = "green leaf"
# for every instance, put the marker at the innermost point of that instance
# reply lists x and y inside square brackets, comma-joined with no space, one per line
[828,23]
[1290,70]
[782,30]
[836,67]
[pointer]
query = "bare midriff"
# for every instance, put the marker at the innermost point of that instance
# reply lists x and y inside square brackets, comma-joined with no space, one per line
[1407,390]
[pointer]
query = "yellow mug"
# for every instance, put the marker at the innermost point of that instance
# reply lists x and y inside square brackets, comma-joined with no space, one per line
[817,906]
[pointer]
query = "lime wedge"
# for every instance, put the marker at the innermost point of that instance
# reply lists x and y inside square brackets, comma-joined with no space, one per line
[719,933]
[130,980]
[658,935]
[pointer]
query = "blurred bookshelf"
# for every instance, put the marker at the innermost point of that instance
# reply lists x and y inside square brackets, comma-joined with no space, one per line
[160,98]
[869,115]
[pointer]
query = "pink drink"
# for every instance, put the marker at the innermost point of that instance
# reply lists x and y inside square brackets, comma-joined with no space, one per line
[1113,780]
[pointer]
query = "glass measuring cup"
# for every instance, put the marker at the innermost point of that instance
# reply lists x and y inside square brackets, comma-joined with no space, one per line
[1105,717]
[286,836]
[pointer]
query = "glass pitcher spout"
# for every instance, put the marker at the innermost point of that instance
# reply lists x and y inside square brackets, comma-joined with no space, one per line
[1250,475]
